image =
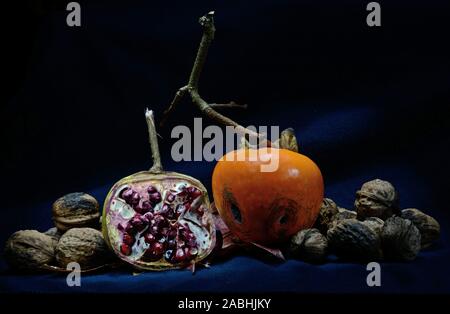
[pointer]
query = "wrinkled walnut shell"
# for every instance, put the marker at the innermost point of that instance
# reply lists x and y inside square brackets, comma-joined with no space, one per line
[84,246]
[400,239]
[76,210]
[428,226]
[376,198]
[309,245]
[353,239]
[342,214]
[29,250]
[375,223]
[328,211]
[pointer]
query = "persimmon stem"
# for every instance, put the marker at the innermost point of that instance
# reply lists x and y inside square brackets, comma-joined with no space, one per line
[207,22]
[153,140]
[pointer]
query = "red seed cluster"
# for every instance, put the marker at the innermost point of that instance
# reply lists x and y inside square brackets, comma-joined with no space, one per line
[164,235]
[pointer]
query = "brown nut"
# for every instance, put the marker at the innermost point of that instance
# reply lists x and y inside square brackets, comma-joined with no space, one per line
[76,210]
[376,198]
[328,211]
[342,214]
[400,239]
[29,250]
[84,246]
[375,223]
[352,239]
[309,245]
[428,226]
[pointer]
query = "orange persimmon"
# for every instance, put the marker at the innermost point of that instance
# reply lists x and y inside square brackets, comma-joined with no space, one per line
[267,207]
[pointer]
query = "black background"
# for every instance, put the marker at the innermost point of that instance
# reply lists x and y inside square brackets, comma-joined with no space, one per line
[73,100]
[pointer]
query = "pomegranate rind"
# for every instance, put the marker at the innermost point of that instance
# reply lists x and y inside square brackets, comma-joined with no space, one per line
[204,229]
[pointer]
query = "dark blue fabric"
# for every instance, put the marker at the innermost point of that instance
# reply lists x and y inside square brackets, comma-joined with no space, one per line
[365,103]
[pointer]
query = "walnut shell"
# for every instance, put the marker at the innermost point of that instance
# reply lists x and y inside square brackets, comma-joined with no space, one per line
[428,226]
[76,210]
[84,246]
[342,214]
[345,214]
[328,210]
[309,245]
[400,239]
[29,250]
[376,198]
[375,223]
[352,239]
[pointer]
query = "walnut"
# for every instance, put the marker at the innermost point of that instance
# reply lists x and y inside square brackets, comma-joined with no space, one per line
[309,245]
[377,198]
[375,223]
[342,214]
[345,214]
[76,210]
[29,250]
[352,239]
[400,239]
[428,226]
[84,246]
[328,211]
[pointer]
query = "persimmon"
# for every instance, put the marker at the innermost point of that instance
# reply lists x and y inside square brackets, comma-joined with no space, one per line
[260,207]
[267,207]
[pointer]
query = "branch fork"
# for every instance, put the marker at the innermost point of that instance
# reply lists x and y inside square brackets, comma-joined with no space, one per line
[207,22]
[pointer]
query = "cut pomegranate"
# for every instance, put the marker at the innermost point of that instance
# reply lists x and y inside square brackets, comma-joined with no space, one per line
[158,220]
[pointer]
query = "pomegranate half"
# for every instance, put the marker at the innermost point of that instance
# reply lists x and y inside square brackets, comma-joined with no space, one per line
[157,220]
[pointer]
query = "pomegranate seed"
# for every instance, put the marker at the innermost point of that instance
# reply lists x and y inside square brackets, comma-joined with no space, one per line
[188,235]
[172,233]
[125,249]
[158,219]
[192,242]
[170,198]
[172,244]
[170,214]
[137,222]
[126,194]
[194,192]
[148,217]
[158,248]
[128,239]
[151,189]
[149,238]
[164,209]
[146,206]
[179,255]
[164,232]
[135,198]
[155,198]
[130,229]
